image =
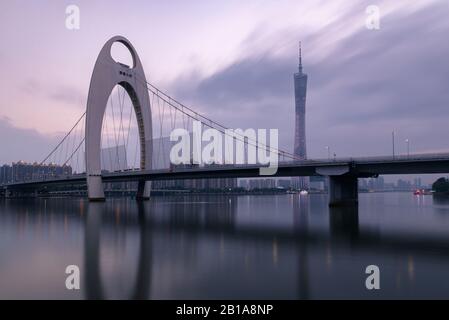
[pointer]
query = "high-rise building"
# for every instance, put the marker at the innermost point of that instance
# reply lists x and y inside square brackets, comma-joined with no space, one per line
[23,171]
[161,160]
[318,183]
[6,174]
[284,183]
[243,183]
[114,158]
[300,151]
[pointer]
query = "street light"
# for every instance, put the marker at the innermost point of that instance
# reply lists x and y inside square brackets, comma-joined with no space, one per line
[328,153]
[392,141]
[407,141]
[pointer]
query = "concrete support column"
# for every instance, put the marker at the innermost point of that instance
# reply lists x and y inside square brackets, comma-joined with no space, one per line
[343,190]
[143,190]
[95,188]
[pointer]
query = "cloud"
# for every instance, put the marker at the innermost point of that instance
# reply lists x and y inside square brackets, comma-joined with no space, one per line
[22,144]
[31,87]
[366,85]
[68,95]
[56,92]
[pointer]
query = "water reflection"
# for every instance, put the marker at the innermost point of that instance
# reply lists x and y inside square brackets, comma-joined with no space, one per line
[344,222]
[301,211]
[216,247]
[93,283]
[441,203]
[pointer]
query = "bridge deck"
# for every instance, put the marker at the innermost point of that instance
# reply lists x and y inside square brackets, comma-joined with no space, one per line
[360,167]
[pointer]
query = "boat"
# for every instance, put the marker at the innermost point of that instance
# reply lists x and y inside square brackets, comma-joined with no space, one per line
[422,192]
[303,192]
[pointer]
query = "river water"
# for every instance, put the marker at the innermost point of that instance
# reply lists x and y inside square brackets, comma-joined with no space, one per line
[225,247]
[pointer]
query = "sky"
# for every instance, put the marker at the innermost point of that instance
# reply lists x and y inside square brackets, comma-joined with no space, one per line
[234,62]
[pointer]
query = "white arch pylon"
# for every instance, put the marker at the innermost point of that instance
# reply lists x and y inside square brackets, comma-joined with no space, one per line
[106,75]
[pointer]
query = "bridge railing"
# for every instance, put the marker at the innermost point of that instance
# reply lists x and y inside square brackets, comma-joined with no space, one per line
[322,161]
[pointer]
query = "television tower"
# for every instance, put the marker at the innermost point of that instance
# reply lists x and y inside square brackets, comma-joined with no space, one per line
[300,150]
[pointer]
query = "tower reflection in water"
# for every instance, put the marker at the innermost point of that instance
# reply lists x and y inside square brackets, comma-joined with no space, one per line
[343,223]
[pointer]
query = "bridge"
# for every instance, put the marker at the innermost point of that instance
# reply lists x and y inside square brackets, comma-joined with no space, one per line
[342,173]
[86,137]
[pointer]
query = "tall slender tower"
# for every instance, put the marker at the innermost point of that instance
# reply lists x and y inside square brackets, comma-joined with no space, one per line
[300,151]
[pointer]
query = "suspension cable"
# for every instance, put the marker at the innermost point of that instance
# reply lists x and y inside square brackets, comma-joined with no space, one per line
[155,90]
[63,139]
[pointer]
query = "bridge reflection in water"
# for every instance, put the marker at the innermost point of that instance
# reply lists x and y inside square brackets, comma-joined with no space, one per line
[220,246]
[93,283]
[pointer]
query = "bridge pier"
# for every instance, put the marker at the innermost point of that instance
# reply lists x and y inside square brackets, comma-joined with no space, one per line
[143,191]
[343,190]
[95,190]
